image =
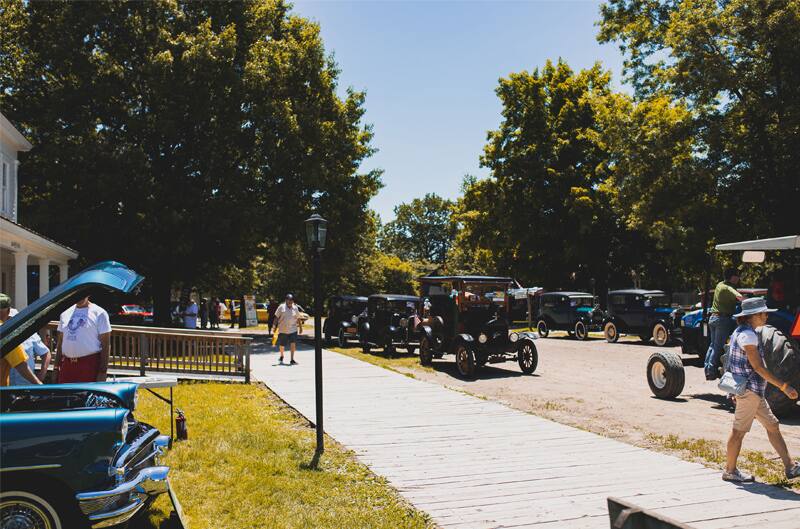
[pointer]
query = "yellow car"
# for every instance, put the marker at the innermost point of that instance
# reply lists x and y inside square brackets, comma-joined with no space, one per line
[261,311]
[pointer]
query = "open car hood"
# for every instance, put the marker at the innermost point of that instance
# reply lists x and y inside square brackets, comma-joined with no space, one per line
[107,275]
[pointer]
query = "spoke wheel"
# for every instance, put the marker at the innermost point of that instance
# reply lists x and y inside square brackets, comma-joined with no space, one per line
[610,330]
[660,335]
[25,510]
[465,361]
[425,351]
[580,331]
[527,357]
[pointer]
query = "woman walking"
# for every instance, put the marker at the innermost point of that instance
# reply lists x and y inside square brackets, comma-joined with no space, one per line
[746,360]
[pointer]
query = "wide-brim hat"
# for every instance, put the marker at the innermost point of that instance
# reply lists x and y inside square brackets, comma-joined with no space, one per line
[752,306]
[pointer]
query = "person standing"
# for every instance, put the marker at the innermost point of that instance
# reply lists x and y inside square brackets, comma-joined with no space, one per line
[746,359]
[203,313]
[233,315]
[190,315]
[84,343]
[214,313]
[720,322]
[287,316]
[16,360]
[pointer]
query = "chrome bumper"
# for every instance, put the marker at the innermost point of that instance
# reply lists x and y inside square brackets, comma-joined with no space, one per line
[107,508]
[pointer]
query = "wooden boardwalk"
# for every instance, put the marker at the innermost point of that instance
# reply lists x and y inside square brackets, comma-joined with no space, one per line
[472,463]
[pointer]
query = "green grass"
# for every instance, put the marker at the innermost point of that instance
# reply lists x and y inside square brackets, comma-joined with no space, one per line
[767,470]
[247,464]
[400,359]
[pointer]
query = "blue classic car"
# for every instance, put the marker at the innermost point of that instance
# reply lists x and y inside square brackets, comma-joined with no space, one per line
[73,455]
[574,312]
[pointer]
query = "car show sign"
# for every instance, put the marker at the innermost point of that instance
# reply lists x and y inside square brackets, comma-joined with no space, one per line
[250,311]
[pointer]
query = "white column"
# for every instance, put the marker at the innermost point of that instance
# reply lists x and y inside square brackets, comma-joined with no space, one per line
[63,269]
[44,276]
[20,300]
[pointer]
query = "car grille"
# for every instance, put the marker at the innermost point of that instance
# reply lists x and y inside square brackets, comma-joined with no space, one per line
[102,504]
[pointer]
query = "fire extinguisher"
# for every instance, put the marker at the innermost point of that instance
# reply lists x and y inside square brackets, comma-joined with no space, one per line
[180,426]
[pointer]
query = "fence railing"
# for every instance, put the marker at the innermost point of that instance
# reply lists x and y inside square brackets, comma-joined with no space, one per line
[151,349]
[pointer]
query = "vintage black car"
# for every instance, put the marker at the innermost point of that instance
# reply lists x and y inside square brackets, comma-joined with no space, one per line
[575,312]
[468,316]
[645,313]
[341,323]
[388,322]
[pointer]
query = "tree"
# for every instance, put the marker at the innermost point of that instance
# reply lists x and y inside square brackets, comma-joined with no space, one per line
[733,64]
[422,230]
[177,137]
[542,216]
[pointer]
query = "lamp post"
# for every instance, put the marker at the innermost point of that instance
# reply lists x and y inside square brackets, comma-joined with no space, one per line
[316,231]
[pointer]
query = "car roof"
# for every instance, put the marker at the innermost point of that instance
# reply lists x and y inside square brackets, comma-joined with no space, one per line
[570,294]
[394,297]
[476,279]
[637,291]
[350,298]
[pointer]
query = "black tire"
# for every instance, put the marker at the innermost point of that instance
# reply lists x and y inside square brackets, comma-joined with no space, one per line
[388,346]
[40,507]
[541,328]
[580,331]
[611,332]
[342,339]
[781,405]
[425,351]
[527,356]
[328,338]
[365,346]
[665,374]
[465,360]
[660,334]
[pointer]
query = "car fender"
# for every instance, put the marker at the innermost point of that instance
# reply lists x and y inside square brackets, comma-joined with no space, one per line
[425,330]
[364,330]
[527,335]
[393,329]
[466,338]
[346,324]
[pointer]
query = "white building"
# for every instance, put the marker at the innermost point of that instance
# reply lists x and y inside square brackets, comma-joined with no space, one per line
[21,247]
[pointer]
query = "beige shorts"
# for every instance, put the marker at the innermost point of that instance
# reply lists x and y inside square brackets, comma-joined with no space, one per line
[753,406]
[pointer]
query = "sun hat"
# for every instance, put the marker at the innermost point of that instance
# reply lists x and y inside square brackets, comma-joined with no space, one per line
[752,306]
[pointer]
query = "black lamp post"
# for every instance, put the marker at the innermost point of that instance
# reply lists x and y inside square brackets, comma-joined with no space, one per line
[316,230]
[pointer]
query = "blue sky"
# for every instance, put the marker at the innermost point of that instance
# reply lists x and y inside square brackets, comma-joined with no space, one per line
[430,69]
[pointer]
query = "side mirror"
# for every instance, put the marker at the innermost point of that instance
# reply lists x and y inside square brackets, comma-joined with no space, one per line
[753,256]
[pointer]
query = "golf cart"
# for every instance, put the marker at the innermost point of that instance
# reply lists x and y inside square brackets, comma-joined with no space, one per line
[665,370]
[341,322]
[468,316]
[387,323]
[645,313]
[575,312]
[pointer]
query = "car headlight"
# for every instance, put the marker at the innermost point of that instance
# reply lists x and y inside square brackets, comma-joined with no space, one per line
[483,338]
[135,401]
[354,319]
[513,337]
[124,429]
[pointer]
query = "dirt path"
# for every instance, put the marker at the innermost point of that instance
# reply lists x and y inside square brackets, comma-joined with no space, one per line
[602,387]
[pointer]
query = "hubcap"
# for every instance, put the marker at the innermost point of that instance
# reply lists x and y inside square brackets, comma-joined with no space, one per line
[661,335]
[658,374]
[611,331]
[16,514]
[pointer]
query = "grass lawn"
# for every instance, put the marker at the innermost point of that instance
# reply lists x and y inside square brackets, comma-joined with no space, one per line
[399,360]
[247,465]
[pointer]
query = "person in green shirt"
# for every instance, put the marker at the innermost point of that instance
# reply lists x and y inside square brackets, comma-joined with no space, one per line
[720,321]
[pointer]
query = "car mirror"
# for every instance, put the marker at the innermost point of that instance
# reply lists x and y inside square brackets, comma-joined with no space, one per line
[753,256]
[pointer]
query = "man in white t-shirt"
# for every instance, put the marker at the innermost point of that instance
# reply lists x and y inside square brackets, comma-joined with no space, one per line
[287,317]
[84,336]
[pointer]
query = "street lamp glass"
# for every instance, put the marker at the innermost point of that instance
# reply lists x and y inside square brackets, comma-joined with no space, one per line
[316,231]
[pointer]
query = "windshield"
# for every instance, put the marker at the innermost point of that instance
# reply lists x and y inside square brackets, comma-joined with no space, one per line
[582,302]
[133,308]
[483,294]
[656,301]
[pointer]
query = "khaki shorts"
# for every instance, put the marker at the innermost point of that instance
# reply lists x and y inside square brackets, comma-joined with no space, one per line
[753,406]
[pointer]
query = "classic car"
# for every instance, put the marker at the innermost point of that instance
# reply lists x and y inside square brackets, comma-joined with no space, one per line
[646,313]
[575,312]
[341,322]
[130,314]
[387,323]
[468,316]
[74,456]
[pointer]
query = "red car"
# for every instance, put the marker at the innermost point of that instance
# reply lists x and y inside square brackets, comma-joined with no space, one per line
[130,314]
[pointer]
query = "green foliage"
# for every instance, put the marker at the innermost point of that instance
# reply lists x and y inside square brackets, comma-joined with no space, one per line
[422,230]
[176,137]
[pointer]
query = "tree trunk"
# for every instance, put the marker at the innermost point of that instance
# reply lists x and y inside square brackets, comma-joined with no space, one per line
[162,310]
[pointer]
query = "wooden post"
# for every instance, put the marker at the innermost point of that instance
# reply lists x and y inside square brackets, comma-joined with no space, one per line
[247,362]
[143,346]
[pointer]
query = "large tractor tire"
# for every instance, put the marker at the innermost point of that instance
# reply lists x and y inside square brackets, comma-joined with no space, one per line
[660,334]
[611,332]
[542,329]
[580,331]
[665,374]
[465,360]
[782,356]
[527,356]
